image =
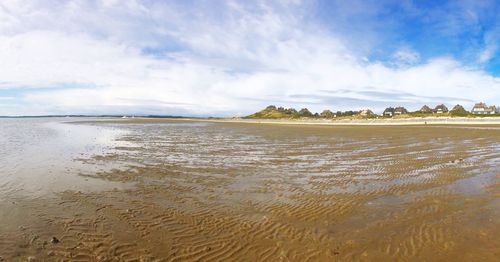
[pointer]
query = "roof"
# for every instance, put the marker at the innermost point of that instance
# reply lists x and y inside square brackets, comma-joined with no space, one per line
[480,105]
[441,107]
[401,110]
[425,108]
[366,112]
[484,107]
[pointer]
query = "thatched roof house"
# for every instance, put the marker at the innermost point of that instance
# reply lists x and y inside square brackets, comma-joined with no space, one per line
[458,110]
[388,111]
[366,112]
[483,109]
[425,109]
[400,110]
[439,109]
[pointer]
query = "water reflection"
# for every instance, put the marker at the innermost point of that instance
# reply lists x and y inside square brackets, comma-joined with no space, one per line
[37,155]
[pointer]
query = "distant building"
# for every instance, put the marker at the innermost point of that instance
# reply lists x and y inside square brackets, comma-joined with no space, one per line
[425,109]
[458,110]
[440,109]
[400,110]
[389,111]
[483,109]
[366,112]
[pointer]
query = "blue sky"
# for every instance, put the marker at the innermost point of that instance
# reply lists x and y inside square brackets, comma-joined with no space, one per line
[460,29]
[225,58]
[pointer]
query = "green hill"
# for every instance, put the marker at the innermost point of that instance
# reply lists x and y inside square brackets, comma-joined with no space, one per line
[271,112]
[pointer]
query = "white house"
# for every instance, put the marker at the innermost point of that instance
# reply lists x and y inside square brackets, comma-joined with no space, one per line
[483,109]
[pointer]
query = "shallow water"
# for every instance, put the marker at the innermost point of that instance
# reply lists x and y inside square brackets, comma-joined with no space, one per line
[38,155]
[226,191]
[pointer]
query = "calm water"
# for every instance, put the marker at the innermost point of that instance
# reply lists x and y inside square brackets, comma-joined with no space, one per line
[37,155]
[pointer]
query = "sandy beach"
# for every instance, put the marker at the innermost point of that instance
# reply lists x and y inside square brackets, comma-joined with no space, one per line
[379,122]
[460,121]
[183,190]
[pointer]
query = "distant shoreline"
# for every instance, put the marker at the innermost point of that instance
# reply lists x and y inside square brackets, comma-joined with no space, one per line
[325,122]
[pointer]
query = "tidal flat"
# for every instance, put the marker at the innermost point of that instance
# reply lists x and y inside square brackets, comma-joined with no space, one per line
[168,190]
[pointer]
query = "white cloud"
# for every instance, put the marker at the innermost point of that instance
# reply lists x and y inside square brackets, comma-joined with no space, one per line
[406,56]
[488,53]
[491,40]
[231,61]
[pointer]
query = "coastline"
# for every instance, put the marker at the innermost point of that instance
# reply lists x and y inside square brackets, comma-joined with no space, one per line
[323,122]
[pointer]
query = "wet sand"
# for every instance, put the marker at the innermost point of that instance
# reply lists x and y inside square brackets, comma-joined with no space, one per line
[204,191]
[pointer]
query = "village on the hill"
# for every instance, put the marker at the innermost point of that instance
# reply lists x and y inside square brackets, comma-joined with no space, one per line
[478,110]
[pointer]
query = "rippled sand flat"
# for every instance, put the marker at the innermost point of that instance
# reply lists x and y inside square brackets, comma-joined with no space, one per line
[194,191]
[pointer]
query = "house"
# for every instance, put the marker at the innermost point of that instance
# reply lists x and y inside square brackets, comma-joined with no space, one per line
[366,112]
[388,111]
[400,110]
[425,109]
[483,109]
[458,110]
[440,109]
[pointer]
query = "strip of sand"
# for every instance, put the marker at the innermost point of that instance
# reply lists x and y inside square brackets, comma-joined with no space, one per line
[343,122]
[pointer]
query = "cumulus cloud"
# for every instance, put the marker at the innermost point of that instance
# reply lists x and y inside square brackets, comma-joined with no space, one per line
[217,58]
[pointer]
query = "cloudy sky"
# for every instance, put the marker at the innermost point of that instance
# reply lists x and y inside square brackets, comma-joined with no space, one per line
[222,58]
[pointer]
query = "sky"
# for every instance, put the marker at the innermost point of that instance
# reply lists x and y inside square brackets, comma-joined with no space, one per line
[232,58]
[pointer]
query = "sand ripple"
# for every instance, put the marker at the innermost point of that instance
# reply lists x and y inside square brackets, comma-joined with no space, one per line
[231,192]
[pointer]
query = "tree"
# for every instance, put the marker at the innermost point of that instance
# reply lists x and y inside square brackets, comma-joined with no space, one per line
[327,114]
[350,113]
[305,112]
